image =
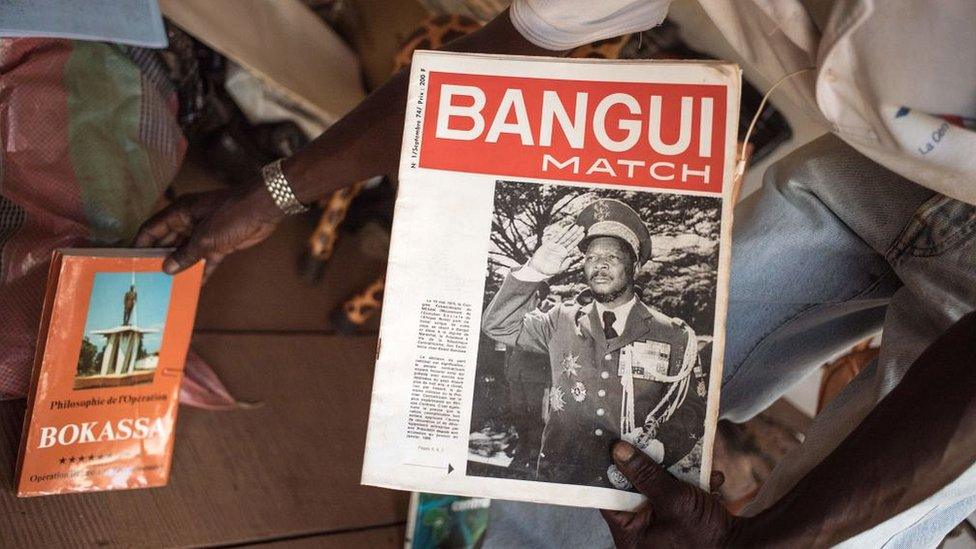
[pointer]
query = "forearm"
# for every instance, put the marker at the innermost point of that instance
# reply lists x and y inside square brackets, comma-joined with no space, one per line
[917,440]
[366,142]
[506,318]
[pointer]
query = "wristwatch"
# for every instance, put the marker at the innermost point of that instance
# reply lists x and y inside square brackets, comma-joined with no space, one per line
[280,190]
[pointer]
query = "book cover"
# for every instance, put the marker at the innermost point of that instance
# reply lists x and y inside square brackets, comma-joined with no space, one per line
[557,278]
[436,521]
[111,347]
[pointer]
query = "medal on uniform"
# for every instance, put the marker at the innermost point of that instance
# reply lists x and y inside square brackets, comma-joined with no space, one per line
[700,374]
[556,401]
[571,365]
[578,391]
[648,359]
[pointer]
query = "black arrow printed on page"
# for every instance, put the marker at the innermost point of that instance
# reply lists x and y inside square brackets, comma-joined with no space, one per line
[450,468]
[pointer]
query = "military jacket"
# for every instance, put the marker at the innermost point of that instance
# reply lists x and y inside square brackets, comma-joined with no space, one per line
[586,369]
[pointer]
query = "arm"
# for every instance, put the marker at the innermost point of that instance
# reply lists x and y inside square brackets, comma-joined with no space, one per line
[364,143]
[510,319]
[918,439]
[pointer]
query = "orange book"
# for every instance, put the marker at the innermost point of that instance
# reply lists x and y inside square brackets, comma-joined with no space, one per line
[111,348]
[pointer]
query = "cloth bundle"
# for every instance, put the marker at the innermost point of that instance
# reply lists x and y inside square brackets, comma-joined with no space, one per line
[90,141]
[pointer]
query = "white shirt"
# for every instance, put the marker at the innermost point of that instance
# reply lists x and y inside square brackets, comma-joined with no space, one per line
[620,314]
[895,79]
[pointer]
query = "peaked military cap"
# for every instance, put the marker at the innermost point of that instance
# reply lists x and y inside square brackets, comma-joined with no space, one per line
[609,217]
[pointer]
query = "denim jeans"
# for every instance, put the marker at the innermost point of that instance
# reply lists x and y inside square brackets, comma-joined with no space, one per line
[829,251]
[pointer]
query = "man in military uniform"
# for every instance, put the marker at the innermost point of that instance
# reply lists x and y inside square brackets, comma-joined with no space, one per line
[619,368]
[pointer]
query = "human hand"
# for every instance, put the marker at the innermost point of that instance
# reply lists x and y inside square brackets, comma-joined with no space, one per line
[555,254]
[210,225]
[677,513]
[645,439]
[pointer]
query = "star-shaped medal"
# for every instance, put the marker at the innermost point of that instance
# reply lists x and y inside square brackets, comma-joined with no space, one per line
[571,365]
[556,401]
[578,391]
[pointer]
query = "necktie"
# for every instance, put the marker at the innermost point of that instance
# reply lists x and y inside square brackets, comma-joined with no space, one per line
[608,320]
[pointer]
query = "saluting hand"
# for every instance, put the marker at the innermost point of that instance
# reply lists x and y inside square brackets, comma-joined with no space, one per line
[210,225]
[555,254]
[677,513]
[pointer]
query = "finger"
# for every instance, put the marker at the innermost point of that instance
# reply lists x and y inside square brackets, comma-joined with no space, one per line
[151,233]
[620,519]
[159,226]
[563,237]
[573,237]
[578,234]
[715,481]
[185,256]
[172,238]
[650,479]
[567,262]
[624,526]
[148,237]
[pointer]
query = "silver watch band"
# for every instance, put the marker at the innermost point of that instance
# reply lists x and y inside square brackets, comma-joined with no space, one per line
[281,193]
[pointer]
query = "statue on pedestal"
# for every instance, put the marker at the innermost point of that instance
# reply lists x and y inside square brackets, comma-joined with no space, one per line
[130,303]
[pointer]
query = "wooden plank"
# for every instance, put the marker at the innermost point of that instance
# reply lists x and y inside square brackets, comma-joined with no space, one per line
[289,467]
[386,537]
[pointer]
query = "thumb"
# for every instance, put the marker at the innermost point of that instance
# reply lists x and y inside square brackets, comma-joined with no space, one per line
[663,490]
[184,256]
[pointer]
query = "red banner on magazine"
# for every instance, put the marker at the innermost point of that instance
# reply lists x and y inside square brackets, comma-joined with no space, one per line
[666,136]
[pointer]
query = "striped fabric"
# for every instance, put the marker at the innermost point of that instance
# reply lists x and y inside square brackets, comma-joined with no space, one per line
[90,144]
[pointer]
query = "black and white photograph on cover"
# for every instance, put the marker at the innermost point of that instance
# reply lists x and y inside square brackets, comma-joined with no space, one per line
[599,308]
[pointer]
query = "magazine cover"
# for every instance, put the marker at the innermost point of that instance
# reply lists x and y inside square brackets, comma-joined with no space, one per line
[436,521]
[110,354]
[557,279]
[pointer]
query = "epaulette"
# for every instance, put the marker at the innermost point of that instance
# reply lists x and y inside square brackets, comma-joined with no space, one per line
[680,323]
[661,317]
[672,321]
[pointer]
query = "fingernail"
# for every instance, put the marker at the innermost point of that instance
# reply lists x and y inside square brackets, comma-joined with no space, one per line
[623,451]
[170,266]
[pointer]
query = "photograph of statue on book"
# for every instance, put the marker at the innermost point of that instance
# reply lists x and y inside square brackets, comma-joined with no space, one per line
[124,329]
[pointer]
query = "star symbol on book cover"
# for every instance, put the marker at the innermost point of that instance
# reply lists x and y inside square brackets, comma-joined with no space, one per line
[571,365]
[556,401]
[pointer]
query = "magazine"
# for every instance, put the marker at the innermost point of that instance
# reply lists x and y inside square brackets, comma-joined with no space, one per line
[111,347]
[557,279]
[436,521]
